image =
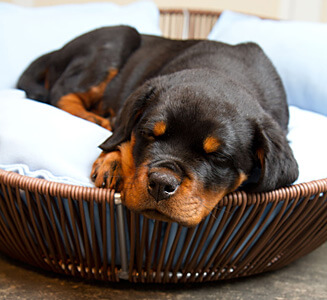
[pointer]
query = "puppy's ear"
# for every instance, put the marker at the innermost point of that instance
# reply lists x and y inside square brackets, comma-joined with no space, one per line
[274,156]
[128,117]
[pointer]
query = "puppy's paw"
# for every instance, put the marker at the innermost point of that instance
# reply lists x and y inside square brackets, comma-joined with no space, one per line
[107,171]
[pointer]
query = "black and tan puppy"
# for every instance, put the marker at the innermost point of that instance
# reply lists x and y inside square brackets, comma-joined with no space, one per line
[192,120]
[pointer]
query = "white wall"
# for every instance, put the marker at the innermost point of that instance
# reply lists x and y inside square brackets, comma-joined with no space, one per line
[313,10]
[309,10]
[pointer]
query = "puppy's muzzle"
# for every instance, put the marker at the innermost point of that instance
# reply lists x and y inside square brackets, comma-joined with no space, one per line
[164,179]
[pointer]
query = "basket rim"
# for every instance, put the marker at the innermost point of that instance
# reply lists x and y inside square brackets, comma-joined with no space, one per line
[76,192]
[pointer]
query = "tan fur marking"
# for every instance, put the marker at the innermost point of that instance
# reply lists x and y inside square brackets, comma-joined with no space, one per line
[127,159]
[159,128]
[80,104]
[211,144]
[73,104]
[95,93]
[261,156]
[239,181]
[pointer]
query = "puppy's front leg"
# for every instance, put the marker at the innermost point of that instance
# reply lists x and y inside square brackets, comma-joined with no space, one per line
[112,168]
[107,171]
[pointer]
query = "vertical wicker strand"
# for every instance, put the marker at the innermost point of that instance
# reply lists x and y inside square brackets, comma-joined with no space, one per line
[171,256]
[58,242]
[316,228]
[149,259]
[157,246]
[64,228]
[132,248]
[74,219]
[104,231]
[38,239]
[240,235]
[85,236]
[192,267]
[11,233]
[144,238]
[271,234]
[186,245]
[95,246]
[49,255]
[114,271]
[236,219]
[159,276]
[224,257]
[216,266]
[252,260]
[282,237]
[298,234]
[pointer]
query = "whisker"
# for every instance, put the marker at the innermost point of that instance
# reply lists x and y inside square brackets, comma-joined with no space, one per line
[207,208]
[216,208]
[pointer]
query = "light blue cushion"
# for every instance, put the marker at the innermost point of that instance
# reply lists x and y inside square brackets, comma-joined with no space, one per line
[297,49]
[43,141]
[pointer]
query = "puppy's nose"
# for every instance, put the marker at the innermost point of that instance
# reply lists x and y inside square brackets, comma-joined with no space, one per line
[162,185]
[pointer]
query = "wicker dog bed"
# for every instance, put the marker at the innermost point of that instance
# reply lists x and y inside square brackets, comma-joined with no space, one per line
[86,232]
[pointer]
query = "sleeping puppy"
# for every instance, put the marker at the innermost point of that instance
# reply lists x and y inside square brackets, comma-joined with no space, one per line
[192,120]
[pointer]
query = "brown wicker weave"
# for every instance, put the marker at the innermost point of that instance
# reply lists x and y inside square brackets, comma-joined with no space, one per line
[86,232]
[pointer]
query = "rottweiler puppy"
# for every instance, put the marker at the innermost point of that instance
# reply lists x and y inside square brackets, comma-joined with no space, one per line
[192,120]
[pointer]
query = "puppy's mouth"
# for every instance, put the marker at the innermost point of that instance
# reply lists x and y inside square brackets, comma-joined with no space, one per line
[155,214]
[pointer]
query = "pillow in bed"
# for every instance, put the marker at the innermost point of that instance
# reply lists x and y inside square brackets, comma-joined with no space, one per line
[43,141]
[297,49]
[307,132]
[26,33]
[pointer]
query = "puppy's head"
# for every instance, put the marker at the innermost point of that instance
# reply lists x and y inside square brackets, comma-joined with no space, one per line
[191,144]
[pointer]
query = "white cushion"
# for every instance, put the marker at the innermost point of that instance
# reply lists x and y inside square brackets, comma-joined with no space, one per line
[297,49]
[307,136]
[42,141]
[27,33]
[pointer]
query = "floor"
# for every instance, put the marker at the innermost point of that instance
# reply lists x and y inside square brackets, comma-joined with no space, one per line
[303,279]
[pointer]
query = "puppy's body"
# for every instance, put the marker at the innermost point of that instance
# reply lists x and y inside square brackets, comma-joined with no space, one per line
[193,120]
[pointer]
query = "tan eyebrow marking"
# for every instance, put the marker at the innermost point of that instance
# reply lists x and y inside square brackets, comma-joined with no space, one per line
[159,128]
[239,181]
[211,144]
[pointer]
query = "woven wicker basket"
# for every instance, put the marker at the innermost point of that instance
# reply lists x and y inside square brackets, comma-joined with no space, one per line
[86,232]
